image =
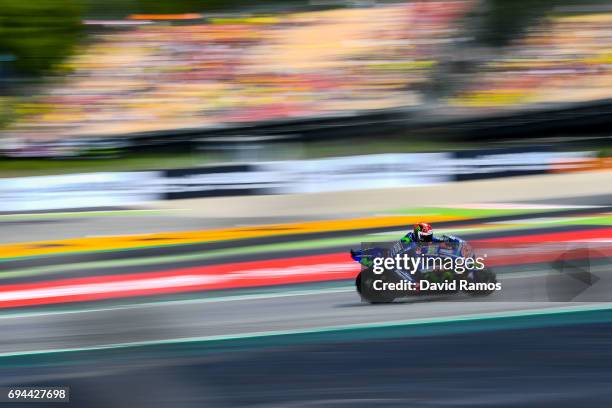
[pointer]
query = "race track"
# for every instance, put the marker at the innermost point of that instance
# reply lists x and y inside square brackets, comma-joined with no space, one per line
[249,286]
[162,307]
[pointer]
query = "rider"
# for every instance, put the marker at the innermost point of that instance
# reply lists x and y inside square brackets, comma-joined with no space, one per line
[421,232]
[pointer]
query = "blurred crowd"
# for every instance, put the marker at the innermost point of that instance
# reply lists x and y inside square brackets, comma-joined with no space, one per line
[160,75]
[157,74]
[563,59]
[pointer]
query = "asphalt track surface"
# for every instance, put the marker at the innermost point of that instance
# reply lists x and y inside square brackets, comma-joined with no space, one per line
[131,323]
[308,306]
[562,365]
[144,324]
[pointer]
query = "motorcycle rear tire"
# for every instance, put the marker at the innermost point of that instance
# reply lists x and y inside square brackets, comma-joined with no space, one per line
[371,299]
[483,276]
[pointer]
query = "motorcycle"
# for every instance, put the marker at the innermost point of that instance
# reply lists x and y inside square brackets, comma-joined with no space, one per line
[440,270]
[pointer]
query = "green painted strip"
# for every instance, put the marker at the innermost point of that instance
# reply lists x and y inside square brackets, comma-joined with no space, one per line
[324,329]
[541,223]
[595,220]
[469,212]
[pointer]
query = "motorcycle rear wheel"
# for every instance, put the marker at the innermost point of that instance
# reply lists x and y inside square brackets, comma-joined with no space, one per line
[366,297]
[483,276]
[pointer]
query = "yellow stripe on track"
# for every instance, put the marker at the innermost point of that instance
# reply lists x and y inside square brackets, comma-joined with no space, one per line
[190,237]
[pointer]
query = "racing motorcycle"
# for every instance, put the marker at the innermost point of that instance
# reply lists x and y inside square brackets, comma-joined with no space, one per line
[437,271]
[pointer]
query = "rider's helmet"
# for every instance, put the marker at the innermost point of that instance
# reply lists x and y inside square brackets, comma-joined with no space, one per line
[423,232]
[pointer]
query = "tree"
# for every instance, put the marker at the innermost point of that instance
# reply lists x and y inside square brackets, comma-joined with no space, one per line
[38,33]
[503,20]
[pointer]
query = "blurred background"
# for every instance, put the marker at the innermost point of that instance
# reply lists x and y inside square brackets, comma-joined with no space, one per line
[181,182]
[138,79]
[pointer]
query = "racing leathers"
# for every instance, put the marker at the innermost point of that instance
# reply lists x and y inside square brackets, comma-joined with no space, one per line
[414,247]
